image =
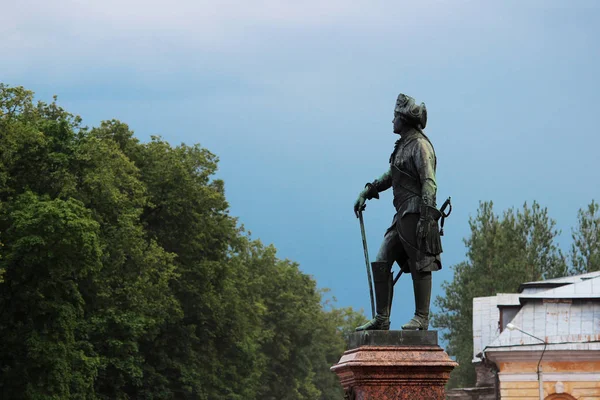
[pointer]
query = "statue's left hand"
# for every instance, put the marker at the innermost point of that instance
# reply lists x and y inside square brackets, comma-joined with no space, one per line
[427,222]
[423,227]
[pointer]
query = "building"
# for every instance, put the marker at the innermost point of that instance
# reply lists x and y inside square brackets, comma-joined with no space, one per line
[546,336]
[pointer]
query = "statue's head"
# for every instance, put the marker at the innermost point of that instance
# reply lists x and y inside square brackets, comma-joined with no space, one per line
[408,114]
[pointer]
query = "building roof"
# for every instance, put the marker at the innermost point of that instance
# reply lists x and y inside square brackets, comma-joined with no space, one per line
[558,323]
[508,299]
[562,312]
[584,289]
[557,282]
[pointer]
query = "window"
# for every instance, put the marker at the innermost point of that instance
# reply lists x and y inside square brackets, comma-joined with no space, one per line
[507,313]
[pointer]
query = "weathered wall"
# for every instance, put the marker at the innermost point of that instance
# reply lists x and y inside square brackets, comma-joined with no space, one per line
[485,375]
[584,390]
[485,388]
[579,379]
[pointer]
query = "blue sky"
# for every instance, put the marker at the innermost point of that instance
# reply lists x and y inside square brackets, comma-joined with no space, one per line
[296,99]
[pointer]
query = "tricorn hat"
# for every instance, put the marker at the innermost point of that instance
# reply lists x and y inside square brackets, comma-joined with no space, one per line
[406,107]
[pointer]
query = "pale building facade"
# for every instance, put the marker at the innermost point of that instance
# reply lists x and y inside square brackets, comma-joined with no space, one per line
[554,343]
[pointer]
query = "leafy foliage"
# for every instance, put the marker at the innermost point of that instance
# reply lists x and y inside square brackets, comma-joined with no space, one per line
[503,252]
[123,276]
[585,250]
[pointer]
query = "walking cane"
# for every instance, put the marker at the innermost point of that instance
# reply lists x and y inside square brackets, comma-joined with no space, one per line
[364,240]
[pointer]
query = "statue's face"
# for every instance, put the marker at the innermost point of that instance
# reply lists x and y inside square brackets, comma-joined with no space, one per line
[398,123]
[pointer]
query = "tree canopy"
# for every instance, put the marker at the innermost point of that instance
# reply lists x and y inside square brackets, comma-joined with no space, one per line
[123,276]
[504,251]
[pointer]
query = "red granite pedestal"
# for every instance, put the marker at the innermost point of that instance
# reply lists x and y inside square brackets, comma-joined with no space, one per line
[394,365]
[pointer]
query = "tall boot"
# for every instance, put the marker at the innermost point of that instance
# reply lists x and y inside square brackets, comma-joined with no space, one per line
[383,282]
[422,288]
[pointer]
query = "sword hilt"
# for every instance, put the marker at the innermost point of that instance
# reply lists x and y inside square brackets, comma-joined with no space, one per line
[447,203]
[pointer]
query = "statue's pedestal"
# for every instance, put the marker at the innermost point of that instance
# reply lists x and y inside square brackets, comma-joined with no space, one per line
[386,365]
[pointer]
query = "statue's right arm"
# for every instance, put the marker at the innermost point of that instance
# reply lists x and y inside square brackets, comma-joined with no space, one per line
[371,191]
[383,183]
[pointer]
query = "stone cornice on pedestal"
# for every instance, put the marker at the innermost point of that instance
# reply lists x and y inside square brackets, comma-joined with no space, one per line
[388,368]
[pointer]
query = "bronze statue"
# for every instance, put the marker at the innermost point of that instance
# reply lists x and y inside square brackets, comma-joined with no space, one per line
[413,239]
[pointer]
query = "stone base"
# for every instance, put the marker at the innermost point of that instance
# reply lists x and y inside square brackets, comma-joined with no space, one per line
[394,365]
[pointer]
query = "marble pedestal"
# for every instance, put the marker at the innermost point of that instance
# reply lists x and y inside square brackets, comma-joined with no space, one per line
[394,365]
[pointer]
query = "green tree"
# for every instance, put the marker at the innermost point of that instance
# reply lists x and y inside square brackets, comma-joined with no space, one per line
[332,333]
[502,253]
[585,249]
[50,246]
[45,154]
[125,277]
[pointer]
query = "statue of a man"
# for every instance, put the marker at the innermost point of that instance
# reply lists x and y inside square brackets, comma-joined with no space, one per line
[413,239]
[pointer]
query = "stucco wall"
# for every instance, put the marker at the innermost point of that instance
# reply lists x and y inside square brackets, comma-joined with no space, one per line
[579,379]
[584,390]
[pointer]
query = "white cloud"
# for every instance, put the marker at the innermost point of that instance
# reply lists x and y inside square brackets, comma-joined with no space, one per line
[128,28]
[63,39]
[35,24]
[292,46]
